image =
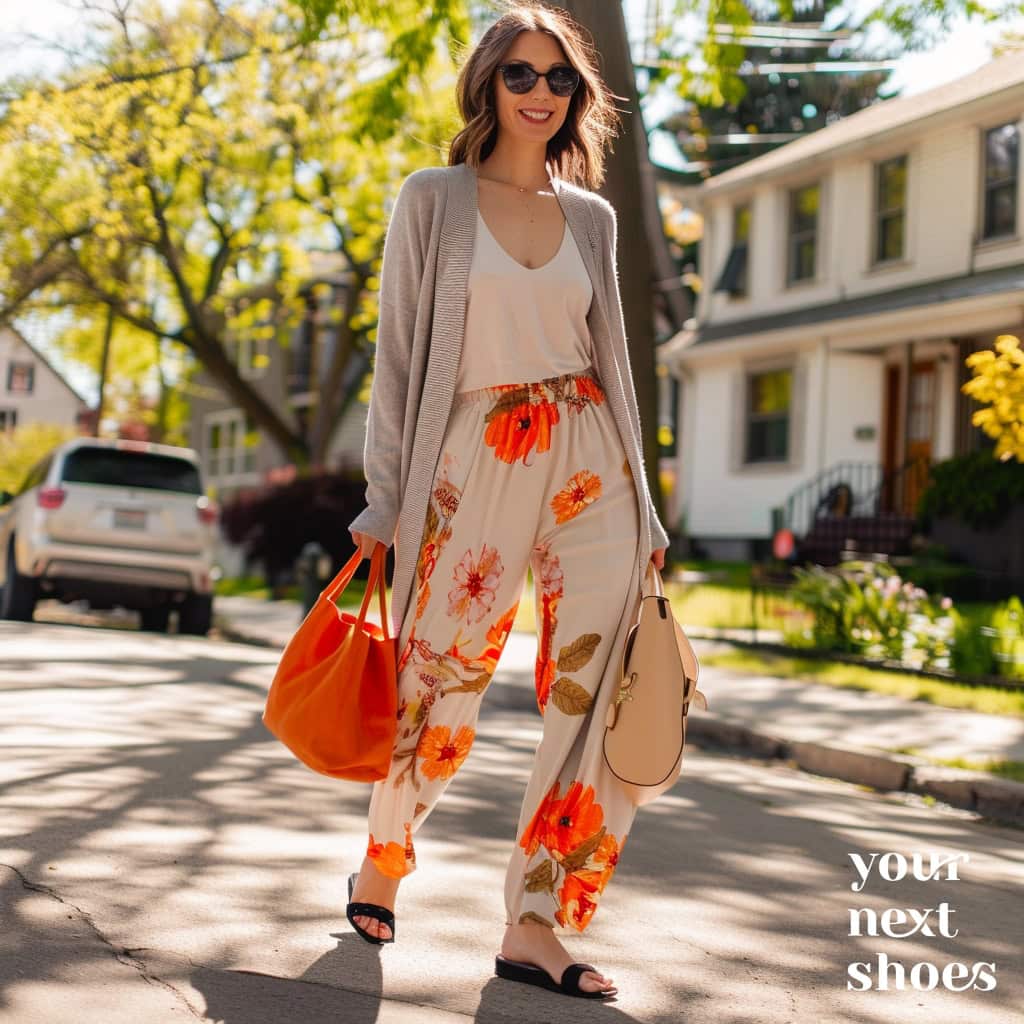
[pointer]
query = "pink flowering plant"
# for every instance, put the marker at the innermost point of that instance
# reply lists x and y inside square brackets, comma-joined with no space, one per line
[865,607]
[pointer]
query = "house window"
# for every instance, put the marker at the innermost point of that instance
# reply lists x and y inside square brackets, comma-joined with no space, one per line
[252,354]
[8,419]
[890,208]
[21,378]
[803,232]
[231,443]
[1002,150]
[769,396]
[733,278]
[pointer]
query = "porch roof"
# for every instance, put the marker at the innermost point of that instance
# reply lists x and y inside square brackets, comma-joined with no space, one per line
[929,293]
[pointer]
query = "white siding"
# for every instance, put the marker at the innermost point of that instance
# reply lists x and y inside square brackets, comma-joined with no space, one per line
[50,401]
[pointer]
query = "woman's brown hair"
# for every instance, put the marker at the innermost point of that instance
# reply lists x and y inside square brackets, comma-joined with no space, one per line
[575,152]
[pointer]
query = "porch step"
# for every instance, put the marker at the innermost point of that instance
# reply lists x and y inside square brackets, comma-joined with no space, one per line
[887,533]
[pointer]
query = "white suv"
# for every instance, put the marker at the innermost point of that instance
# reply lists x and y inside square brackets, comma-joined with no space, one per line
[115,523]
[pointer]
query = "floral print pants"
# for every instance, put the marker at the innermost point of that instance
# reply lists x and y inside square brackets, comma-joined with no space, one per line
[529,474]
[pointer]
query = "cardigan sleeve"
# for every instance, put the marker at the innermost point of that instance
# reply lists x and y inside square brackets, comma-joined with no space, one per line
[401,274]
[659,537]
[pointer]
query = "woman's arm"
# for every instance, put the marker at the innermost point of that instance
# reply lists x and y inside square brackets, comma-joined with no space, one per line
[659,538]
[401,274]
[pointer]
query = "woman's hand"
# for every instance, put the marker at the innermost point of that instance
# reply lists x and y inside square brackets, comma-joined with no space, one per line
[658,558]
[364,542]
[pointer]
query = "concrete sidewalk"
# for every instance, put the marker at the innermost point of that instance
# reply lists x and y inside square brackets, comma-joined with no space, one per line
[843,733]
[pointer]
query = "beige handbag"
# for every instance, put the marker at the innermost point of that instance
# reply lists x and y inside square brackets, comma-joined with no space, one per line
[645,728]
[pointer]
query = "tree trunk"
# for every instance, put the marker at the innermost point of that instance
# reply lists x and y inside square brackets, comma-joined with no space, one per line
[328,418]
[108,335]
[643,253]
[216,362]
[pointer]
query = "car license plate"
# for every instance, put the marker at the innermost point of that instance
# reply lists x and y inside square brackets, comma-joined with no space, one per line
[130,518]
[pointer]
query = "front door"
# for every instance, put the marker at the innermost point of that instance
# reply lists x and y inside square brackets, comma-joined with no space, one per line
[903,489]
[920,432]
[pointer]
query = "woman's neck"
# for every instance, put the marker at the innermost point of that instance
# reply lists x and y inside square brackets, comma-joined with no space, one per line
[522,167]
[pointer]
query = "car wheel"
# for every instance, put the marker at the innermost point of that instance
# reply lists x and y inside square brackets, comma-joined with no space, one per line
[155,620]
[196,615]
[18,597]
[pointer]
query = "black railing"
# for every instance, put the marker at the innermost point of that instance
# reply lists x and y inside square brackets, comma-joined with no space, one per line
[849,489]
[839,489]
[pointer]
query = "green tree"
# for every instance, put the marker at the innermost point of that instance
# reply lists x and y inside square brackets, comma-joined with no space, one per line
[180,178]
[23,447]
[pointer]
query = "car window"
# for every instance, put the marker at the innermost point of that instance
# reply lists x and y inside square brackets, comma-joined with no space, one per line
[117,468]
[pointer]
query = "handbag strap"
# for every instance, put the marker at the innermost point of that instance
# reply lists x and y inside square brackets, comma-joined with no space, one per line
[376,577]
[652,573]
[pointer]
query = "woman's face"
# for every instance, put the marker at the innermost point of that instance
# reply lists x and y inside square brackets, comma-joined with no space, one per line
[542,52]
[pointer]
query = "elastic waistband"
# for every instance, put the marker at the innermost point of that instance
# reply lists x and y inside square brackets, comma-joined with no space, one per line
[563,387]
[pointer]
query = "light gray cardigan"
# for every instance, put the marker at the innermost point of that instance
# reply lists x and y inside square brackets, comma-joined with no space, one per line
[423,281]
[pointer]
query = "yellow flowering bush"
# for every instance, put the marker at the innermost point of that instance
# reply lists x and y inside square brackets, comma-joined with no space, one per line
[999,382]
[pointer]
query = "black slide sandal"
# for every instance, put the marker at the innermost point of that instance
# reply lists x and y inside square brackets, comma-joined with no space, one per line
[373,910]
[516,970]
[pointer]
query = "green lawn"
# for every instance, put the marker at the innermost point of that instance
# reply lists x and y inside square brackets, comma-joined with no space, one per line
[1013,770]
[988,699]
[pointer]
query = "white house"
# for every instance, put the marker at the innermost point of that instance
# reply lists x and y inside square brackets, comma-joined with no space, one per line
[31,390]
[846,276]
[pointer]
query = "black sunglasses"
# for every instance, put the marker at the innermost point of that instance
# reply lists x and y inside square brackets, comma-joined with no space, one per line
[519,78]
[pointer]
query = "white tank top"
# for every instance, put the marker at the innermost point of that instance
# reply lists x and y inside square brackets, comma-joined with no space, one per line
[524,324]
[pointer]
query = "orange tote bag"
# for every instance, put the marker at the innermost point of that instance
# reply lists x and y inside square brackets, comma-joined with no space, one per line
[334,698]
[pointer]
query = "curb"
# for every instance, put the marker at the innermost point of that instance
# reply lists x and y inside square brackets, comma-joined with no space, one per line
[224,630]
[983,794]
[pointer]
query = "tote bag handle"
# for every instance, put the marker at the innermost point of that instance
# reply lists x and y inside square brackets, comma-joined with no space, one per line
[376,577]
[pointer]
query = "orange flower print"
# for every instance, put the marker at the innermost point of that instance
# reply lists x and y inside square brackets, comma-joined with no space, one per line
[577,903]
[543,677]
[443,754]
[579,893]
[475,584]
[514,433]
[446,495]
[589,388]
[391,858]
[532,834]
[497,635]
[548,572]
[551,578]
[574,818]
[583,489]
[607,853]
[423,600]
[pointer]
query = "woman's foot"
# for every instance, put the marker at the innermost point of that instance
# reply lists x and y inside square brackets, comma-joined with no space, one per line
[374,887]
[534,943]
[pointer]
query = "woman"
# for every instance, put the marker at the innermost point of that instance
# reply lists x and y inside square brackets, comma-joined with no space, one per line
[503,433]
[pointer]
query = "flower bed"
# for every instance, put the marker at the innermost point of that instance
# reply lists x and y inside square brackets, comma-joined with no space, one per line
[866,608]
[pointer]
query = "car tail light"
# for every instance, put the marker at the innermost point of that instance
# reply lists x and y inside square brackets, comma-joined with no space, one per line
[207,511]
[50,497]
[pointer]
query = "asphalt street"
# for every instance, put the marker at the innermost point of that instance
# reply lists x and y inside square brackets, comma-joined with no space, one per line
[165,859]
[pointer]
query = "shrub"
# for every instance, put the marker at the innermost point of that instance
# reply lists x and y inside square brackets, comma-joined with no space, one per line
[866,608]
[976,489]
[1007,633]
[275,523]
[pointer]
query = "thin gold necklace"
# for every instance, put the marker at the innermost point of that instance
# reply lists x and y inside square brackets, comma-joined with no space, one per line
[522,189]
